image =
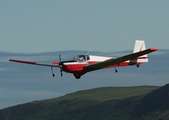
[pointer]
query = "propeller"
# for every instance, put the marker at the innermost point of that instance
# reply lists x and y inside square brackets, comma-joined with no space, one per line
[60,65]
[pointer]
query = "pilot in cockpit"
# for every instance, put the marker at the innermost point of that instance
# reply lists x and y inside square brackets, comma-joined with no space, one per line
[81,58]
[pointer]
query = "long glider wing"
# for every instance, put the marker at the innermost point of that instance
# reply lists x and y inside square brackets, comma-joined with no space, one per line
[55,64]
[111,62]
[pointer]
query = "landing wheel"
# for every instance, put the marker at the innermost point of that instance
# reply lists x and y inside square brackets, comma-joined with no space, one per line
[138,65]
[77,76]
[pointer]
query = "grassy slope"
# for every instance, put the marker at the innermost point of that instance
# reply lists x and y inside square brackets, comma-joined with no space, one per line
[107,93]
[79,104]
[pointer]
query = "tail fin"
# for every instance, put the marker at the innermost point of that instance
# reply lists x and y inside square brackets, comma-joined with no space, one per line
[140,46]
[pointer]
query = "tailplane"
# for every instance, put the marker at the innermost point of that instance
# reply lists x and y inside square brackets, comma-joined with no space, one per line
[140,46]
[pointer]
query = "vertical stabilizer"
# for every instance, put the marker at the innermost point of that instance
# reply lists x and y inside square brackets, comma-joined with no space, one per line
[140,46]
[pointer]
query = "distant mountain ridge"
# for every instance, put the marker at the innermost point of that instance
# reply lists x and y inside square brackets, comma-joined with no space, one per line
[108,103]
[76,52]
[69,54]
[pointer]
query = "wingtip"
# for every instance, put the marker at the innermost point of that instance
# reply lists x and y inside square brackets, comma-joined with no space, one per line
[22,61]
[154,49]
[10,59]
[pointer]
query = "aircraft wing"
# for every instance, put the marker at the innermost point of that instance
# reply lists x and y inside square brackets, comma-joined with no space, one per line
[111,62]
[35,63]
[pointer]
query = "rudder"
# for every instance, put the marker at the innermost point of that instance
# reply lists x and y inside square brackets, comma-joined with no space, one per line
[140,46]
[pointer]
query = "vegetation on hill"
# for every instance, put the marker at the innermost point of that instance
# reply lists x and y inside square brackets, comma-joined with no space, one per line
[108,103]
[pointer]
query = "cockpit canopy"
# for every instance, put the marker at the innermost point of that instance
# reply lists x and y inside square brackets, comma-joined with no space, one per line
[81,58]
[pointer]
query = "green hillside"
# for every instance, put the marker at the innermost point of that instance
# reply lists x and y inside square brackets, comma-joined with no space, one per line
[108,103]
[108,93]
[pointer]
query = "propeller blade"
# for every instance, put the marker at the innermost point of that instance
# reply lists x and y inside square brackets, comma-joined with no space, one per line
[59,58]
[60,65]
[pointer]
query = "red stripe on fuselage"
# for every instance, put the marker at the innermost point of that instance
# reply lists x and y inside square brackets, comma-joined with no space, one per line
[72,68]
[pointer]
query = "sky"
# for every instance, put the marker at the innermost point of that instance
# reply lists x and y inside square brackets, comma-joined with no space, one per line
[56,25]
[40,30]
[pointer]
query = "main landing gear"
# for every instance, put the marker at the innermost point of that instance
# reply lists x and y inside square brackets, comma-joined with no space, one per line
[60,66]
[52,72]
[138,65]
[116,70]
[77,76]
